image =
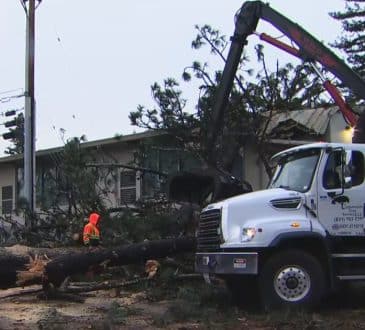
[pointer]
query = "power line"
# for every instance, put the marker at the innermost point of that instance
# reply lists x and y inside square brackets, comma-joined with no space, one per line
[9,98]
[12,90]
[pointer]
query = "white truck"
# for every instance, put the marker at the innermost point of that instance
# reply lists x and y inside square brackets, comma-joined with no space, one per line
[299,237]
[306,232]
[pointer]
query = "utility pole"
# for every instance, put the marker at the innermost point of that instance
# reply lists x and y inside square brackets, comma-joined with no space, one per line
[29,116]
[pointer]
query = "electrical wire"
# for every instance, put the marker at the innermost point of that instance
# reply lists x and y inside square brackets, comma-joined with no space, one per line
[12,90]
[9,98]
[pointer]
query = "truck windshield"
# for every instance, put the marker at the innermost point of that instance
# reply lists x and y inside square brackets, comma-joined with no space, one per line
[295,171]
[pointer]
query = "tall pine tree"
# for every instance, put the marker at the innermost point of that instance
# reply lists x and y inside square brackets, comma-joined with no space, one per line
[17,141]
[352,42]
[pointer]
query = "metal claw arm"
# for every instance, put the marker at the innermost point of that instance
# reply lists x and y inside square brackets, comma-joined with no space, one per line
[309,49]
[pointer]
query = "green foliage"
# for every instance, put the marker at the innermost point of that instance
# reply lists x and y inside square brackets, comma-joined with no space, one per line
[169,114]
[194,301]
[352,40]
[78,181]
[67,189]
[284,89]
[131,226]
[207,36]
[117,314]
[135,228]
[18,141]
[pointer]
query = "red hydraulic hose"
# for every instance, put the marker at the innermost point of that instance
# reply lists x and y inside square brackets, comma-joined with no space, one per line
[350,117]
[345,109]
[281,45]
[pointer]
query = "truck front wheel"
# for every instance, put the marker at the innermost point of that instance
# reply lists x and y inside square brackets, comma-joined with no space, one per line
[292,279]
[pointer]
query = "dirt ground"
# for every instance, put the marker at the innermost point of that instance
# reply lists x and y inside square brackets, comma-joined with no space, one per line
[99,311]
[140,309]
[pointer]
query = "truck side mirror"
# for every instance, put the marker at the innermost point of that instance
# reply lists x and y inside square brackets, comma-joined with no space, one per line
[340,199]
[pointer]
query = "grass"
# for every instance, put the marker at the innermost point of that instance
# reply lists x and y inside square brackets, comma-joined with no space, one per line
[117,314]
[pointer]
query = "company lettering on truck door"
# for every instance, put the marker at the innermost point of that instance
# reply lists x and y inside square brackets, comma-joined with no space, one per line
[340,210]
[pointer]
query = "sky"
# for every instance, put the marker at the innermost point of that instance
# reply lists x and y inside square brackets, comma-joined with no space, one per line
[96,60]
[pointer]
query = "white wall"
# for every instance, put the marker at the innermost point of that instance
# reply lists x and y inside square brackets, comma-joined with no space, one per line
[338,130]
[120,154]
[254,171]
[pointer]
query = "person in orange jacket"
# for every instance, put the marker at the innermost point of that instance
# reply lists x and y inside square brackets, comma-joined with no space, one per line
[91,234]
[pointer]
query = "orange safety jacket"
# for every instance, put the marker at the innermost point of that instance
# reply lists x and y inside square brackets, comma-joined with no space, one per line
[91,232]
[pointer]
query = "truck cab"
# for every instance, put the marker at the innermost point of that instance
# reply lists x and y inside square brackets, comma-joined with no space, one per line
[298,238]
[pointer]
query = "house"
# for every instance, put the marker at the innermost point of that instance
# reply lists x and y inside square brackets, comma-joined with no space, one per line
[292,128]
[124,182]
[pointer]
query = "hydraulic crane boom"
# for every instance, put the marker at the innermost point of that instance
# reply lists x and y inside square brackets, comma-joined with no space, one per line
[348,113]
[309,49]
[194,186]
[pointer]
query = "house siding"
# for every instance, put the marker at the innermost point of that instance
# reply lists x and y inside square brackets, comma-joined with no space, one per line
[122,151]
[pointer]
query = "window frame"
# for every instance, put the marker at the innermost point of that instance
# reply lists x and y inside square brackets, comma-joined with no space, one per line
[4,210]
[136,186]
[334,170]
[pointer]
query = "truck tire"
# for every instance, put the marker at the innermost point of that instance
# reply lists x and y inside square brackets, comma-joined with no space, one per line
[291,279]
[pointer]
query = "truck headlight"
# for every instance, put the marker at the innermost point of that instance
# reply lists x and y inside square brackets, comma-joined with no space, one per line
[248,234]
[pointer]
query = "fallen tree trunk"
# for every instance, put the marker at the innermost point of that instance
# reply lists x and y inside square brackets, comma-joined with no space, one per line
[20,291]
[104,285]
[83,287]
[22,250]
[18,258]
[21,266]
[58,269]
[9,266]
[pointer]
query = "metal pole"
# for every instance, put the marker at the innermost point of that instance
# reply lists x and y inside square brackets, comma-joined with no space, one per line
[29,119]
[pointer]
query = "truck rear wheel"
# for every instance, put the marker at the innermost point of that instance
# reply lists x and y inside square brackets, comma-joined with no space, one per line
[291,279]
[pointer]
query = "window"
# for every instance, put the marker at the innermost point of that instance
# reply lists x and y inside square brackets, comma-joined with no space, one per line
[357,168]
[331,176]
[128,188]
[295,171]
[333,171]
[7,199]
[168,159]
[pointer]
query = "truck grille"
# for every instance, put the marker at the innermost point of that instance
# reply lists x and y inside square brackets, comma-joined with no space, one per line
[208,235]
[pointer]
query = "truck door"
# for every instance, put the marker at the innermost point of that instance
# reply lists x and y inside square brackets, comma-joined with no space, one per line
[341,198]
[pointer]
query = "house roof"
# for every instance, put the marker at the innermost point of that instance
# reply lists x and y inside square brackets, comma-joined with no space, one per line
[90,144]
[314,120]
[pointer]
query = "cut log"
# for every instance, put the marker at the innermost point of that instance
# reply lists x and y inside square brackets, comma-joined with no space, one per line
[34,272]
[20,291]
[18,259]
[104,285]
[9,266]
[21,266]
[22,250]
[58,269]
